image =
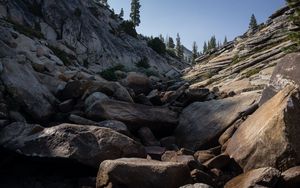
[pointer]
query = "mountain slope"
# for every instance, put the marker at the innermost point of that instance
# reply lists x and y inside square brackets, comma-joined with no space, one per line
[247,62]
[85,32]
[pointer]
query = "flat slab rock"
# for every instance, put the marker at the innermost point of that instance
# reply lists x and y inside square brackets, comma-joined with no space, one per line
[89,145]
[201,122]
[270,137]
[137,173]
[134,115]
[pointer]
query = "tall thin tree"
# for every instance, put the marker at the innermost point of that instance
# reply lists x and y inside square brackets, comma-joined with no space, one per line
[121,13]
[179,47]
[135,12]
[253,22]
[194,52]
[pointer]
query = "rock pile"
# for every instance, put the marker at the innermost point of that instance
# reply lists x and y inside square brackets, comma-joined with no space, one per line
[66,126]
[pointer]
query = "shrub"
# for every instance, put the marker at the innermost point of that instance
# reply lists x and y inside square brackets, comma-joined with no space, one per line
[109,74]
[157,45]
[143,63]
[63,56]
[252,72]
[129,28]
[26,30]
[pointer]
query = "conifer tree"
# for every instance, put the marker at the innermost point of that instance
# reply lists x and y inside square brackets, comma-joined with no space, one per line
[195,52]
[171,44]
[135,12]
[161,38]
[121,13]
[205,47]
[225,41]
[179,47]
[253,22]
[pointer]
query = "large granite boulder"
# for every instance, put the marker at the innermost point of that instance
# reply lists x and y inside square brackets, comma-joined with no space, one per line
[202,122]
[262,177]
[270,137]
[138,82]
[136,173]
[89,145]
[134,115]
[24,87]
[286,72]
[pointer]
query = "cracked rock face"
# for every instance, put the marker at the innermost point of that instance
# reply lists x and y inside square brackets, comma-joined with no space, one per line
[270,136]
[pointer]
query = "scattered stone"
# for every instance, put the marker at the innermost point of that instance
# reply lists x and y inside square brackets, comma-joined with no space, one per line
[155,152]
[137,173]
[218,162]
[94,97]
[147,137]
[66,106]
[168,142]
[262,177]
[138,82]
[197,185]
[290,178]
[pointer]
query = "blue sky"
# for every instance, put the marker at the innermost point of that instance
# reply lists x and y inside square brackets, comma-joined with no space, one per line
[198,20]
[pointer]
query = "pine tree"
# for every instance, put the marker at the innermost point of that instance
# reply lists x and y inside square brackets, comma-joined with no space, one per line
[135,12]
[179,47]
[253,22]
[225,41]
[161,38]
[212,43]
[195,52]
[205,47]
[171,44]
[121,15]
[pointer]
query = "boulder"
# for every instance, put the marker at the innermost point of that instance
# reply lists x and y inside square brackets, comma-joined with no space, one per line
[147,137]
[286,72]
[218,162]
[270,136]
[155,152]
[24,87]
[88,145]
[290,178]
[97,96]
[116,126]
[197,185]
[84,88]
[138,82]
[197,94]
[136,173]
[262,177]
[134,115]
[66,106]
[202,122]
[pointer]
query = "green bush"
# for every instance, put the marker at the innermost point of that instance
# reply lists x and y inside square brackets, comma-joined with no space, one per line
[157,45]
[28,31]
[252,72]
[143,63]
[63,56]
[129,28]
[109,74]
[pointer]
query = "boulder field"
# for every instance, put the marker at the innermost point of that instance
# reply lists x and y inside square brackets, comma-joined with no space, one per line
[72,117]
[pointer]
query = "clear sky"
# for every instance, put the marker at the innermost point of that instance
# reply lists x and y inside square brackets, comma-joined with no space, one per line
[198,20]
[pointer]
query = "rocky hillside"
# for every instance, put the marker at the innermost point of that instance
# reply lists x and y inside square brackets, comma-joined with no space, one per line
[232,121]
[246,63]
[83,35]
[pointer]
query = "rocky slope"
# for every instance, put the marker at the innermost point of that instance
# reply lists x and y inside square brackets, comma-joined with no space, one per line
[233,124]
[246,63]
[82,34]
